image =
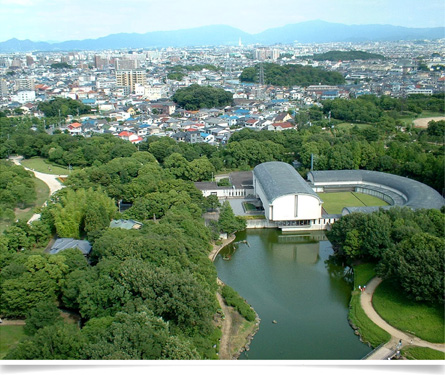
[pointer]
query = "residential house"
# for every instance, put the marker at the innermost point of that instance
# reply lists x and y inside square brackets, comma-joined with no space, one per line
[69,243]
[75,128]
[193,136]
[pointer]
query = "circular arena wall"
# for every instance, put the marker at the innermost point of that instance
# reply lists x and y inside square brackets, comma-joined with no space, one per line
[395,190]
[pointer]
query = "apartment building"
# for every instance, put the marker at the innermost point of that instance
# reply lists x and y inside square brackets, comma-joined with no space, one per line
[129,78]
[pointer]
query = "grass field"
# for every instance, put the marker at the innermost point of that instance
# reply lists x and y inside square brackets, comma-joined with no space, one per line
[416,352]
[422,320]
[42,165]
[10,336]
[348,126]
[369,331]
[334,202]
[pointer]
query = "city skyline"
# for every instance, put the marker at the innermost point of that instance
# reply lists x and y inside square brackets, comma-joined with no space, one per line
[62,20]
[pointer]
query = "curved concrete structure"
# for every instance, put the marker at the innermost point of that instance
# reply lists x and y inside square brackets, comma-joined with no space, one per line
[395,190]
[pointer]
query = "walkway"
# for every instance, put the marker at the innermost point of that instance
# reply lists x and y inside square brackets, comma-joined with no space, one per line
[50,179]
[388,349]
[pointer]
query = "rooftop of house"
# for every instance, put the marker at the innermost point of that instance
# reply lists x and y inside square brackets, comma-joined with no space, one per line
[69,243]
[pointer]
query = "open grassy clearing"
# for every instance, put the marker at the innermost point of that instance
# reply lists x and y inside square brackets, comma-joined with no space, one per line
[10,336]
[409,120]
[349,125]
[422,320]
[334,202]
[416,352]
[43,166]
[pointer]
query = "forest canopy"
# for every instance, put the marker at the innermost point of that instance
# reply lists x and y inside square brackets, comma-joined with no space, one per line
[291,75]
[195,97]
[347,55]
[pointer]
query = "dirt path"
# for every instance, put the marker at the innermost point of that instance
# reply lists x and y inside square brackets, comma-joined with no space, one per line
[6,322]
[396,335]
[224,346]
[235,335]
[49,179]
[226,326]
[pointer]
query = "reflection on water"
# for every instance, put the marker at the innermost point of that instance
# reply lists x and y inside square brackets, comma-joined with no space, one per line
[289,278]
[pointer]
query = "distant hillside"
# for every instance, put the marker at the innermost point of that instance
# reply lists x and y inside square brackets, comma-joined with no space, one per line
[347,55]
[305,32]
[324,32]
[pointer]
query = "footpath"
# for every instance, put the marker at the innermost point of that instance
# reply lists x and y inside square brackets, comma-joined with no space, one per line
[49,179]
[388,349]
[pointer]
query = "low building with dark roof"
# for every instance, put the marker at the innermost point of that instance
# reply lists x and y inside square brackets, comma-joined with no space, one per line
[70,243]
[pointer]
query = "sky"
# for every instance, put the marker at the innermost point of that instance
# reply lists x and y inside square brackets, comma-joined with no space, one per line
[61,20]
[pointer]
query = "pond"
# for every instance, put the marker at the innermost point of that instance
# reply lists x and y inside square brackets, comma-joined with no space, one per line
[300,294]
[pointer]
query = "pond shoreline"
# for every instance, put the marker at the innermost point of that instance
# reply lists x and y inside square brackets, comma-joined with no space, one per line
[226,338]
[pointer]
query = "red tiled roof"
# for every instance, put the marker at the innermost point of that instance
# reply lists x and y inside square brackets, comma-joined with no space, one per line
[125,134]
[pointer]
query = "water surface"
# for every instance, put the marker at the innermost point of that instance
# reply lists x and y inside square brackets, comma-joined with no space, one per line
[288,278]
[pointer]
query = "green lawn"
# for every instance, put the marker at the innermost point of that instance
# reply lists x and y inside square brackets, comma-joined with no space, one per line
[422,320]
[369,331]
[416,352]
[363,273]
[349,125]
[334,202]
[43,166]
[10,336]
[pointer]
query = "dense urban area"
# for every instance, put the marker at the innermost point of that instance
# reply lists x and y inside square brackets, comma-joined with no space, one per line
[130,134]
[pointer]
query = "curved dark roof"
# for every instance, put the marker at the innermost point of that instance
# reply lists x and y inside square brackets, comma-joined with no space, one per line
[278,179]
[415,193]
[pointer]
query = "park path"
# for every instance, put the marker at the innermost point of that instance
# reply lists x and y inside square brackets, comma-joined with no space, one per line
[226,323]
[226,328]
[49,179]
[396,335]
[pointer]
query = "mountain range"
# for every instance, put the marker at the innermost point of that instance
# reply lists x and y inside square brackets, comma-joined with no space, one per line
[304,32]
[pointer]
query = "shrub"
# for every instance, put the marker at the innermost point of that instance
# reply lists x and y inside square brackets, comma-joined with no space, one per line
[232,298]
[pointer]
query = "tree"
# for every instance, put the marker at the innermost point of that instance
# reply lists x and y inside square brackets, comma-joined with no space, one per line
[82,209]
[39,281]
[195,97]
[59,341]
[42,315]
[212,202]
[201,170]
[134,335]
[416,264]
[228,222]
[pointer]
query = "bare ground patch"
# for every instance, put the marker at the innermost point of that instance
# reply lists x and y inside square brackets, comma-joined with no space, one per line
[237,332]
[423,122]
